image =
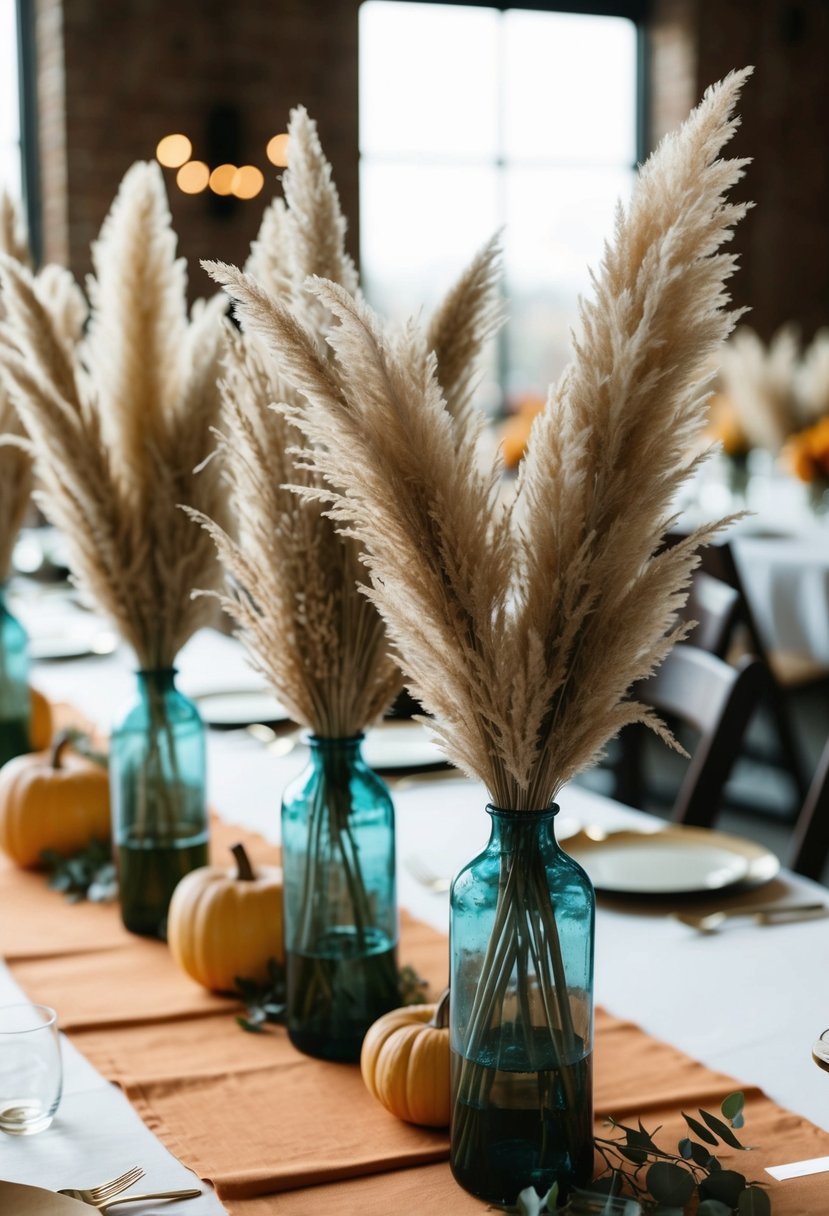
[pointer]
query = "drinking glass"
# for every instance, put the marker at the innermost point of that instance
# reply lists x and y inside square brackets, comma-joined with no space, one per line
[31,1076]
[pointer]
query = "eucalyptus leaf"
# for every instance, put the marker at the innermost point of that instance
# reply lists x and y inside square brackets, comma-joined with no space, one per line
[732,1106]
[721,1129]
[725,1185]
[754,1202]
[670,1184]
[88,874]
[699,1129]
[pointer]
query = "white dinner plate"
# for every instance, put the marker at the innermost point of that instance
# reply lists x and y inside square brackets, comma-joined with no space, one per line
[241,707]
[674,860]
[48,647]
[401,745]
[19,1200]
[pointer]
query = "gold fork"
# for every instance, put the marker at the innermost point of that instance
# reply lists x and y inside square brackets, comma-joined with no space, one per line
[113,1203]
[96,1195]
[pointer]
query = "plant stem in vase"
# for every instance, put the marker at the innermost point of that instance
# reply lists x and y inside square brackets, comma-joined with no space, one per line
[522,920]
[340,905]
[157,775]
[15,711]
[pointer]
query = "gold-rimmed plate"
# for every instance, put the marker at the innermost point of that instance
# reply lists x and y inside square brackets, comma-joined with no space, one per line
[17,1199]
[673,860]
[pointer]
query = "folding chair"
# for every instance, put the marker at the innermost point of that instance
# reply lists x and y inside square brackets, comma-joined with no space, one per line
[716,700]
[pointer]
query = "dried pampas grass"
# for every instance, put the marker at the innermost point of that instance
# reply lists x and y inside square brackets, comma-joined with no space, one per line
[116,439]
[60,295]
[522,629]
[295,585]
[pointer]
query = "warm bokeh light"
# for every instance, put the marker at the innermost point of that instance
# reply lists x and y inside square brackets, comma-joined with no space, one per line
[247,182]
[277,150]
[221,179]
[173,150]
[193,177]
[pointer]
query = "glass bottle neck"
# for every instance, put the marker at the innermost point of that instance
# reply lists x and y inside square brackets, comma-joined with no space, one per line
[324,747]
[156,681]
[512,830]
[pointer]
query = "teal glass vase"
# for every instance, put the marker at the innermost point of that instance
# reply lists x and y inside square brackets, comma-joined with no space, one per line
[15,705]
[157,770]
[521,1013]
[340,901]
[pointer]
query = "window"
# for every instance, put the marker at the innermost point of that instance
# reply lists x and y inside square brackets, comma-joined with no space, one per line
[10,158]
[474,119]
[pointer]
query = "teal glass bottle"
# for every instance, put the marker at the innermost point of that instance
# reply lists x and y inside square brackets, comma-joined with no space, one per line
[521,1013]
[15,707]
[340,901]
[157,771]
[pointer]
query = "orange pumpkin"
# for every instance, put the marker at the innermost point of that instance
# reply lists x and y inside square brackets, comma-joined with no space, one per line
[40,723]
[225,923]
[52,800]
[405,1062]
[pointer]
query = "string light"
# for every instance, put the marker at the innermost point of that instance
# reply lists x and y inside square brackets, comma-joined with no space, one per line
[277,150]
[193,177]
[173,151]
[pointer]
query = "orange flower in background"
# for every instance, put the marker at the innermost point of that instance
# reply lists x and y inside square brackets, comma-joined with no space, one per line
[807,453]
[724,427]
[516,430]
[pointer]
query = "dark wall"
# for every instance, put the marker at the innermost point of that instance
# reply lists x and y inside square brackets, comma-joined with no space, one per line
[784,242]
[136,70]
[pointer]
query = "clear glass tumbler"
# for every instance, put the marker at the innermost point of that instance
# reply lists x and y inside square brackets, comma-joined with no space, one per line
[31,1075]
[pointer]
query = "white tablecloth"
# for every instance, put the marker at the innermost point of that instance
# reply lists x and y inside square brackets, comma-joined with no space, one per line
[748,1001]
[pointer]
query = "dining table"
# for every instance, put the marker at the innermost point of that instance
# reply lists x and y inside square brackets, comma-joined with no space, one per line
[780,546]
[159,1073]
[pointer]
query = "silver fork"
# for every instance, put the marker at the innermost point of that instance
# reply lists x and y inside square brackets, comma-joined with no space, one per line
[96,1195]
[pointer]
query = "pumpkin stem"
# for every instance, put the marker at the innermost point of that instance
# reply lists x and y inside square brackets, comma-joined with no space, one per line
[244,870]
[59,745]
[440,1018]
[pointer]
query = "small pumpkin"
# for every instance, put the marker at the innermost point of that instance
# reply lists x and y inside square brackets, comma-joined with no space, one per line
[405,1062]
[52,800]
[225,923]
[40,721]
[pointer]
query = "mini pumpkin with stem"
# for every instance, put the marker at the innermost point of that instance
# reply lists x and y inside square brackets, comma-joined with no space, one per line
[405,1062]
[226,923]
[56,800]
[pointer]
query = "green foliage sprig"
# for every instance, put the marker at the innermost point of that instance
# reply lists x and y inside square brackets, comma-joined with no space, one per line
[265,1002]
[88,874]
[662,1182]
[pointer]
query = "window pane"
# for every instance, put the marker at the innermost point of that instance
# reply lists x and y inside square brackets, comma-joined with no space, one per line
[557,222]
[426,75]
[9,105]
[420,225]
[571,93]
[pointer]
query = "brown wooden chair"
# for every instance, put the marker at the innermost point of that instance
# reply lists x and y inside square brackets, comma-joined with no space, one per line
[810,842]
[716,700]
[728,624]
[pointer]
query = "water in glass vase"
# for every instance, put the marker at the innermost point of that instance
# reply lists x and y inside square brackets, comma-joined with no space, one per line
[338,990]
[148,873]
[508,1125]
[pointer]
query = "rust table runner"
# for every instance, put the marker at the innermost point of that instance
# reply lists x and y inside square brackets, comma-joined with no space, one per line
[276,1131]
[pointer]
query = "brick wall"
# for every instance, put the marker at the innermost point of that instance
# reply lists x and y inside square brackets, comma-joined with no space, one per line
[135,70]
[115,75]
